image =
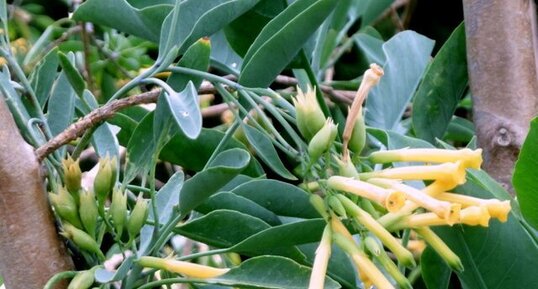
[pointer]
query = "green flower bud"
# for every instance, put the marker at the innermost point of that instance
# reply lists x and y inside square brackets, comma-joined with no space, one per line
[82,240]
[346,169]
[65,207]
[138,217]
[336,206]
[323,140]
[105,179]
[72,175]
[310,117]
[83,279]
[318,204]
[88,212]
[358,136]
[118,211]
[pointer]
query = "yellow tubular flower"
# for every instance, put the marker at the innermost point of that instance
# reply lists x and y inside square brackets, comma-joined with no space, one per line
[469,158]
[391,200]
[184,268]
[474,216]
[368,272]
[402,254]
[443,209]
[441,248]
[448,172]
[323,253]
[497,209]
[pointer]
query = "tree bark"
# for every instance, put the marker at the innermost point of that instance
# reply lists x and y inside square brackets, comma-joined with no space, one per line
[30,249]
[501,52]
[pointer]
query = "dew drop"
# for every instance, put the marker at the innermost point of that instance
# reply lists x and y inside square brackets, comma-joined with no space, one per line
[184,114]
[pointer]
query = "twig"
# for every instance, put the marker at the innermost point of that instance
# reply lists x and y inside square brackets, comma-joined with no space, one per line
[93,118]
[393,7]
[87,67]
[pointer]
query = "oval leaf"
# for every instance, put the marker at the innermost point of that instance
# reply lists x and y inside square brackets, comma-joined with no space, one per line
[226,166]
[281,39]
[266,151]
[184,108]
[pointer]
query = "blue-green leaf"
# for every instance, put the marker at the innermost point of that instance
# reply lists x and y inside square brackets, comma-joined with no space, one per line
[266,151]
[407,55]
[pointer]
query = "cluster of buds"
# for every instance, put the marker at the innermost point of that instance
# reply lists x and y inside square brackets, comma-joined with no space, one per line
[404,207]
[84,213]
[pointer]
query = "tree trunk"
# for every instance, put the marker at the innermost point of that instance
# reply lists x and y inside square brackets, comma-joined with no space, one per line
[30,250]
[501,52]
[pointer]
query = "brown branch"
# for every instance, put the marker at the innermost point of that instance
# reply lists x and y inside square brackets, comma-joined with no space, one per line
[93,118]
[30,249]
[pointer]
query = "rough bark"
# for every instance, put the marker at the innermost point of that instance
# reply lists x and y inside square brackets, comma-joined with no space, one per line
[501,52]
[30,250]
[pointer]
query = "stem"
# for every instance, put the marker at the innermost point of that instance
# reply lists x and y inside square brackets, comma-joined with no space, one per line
[203,254]
[59,277]
[156,284]
[208,76]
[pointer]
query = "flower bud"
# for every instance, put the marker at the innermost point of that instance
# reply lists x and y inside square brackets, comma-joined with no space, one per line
[88,212]
[82,240]
[138,217]
[72,175]
[181,267]
[83,279]
[118,211]
[310,117]
[65,206]
[336,206]
[358,135]
[346,168]
[323,140]
[318,204]
[105,179]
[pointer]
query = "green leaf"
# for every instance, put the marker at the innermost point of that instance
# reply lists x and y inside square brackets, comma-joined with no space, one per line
[281,39]
[196,57]
[460,129]
[266,151]
[222,228]
[200,150]
[526,174]
[373,9]
[74,77]
[140,149]
[227,165]
[441,89]
[43,76]
[105,276]
[185,110]
[500,256]
[270,272]
[61,107]
[167,198]
[105,142]
[145,23]
[231,201]
[407,54]
[435,272]
[392,140]
[296,233]
[168,42]
[371,47]
[281,198]
[222,55]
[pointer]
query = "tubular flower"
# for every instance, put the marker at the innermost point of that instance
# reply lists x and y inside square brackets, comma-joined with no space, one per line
[445,210]
[310,118]
[496,208]
[469,158]
[323,253]
[441,248]
[180,267]
[381,256]
[402,254]
[472,216]
[392,200]
[368,272]
[449,172]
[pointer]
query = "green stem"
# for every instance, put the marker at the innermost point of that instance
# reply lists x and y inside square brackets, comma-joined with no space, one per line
[134,82]
[84,141]
[138,188]
[203,254]
[59,277]
[156,284]
[223,142]
[208,76]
